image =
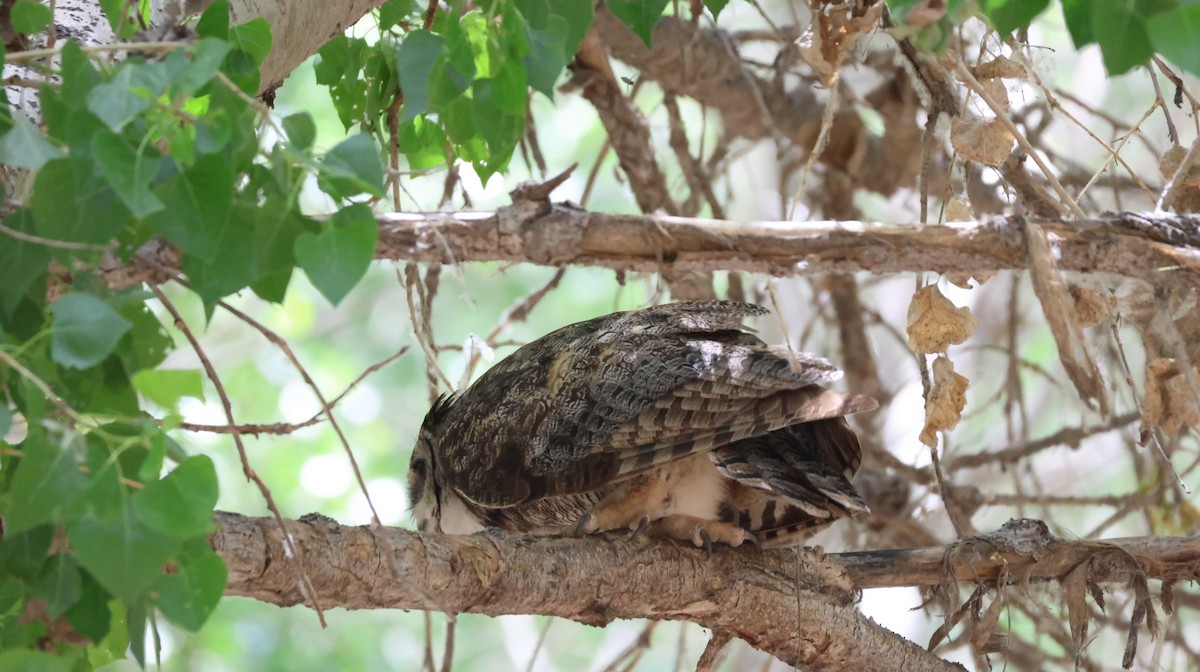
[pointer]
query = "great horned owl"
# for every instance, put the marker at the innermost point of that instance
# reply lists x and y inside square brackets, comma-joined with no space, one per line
[673,420]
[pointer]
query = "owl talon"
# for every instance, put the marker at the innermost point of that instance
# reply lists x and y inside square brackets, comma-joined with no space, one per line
[753,539]
[585,526]
[702,538]
[643,522]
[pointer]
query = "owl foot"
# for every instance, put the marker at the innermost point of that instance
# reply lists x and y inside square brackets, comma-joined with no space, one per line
[642,524]
[586,525]
[702,533]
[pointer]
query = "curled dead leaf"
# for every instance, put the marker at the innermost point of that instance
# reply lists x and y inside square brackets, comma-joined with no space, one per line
[957,211]
[934,323]
[984,141]
[1168,165]
[1169,401]
[944,408]
[1001,67]
[963,279]
[1090,307]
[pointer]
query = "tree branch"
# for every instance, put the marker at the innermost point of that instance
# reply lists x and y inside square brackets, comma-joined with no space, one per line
[1161,249]
[794,604]
[797,604]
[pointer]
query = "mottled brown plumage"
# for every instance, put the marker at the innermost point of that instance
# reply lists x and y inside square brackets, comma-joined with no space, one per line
[673,419]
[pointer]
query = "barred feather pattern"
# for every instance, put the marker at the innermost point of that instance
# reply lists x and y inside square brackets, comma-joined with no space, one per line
[675,415]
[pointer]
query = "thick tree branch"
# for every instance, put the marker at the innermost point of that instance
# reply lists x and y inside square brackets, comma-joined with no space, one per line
[795,604]
[1163,250]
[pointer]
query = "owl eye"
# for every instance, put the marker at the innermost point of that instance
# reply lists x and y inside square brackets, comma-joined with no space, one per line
[417,476]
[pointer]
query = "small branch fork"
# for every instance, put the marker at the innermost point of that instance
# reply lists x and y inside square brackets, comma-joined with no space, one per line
[765,597]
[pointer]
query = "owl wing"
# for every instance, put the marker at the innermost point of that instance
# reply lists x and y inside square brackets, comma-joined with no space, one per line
[606,399]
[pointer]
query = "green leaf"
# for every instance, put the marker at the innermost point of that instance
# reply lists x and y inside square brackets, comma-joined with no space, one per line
[61,585]
[181,504]
[640,15]
[190,595]
[30,17]
[1121,34]
[101,619]
[166,387]
[393,12]
[198,203]
[336,259]
[207,55]
[214,22]
[148,343]
[126,555]
[339,67]
[24,554]
[1174,34]
[24,147]
[24,660]
[104,496]
[1077,14]
[414,63]
[301,130]
[579,16]
[116,102]
[351,168]
[423,143]
[72,202]
[122,17]
[46,480]
[254,38]
[5,420]
[128,172]
[1009,15]
[546,35]
[715,6]
[84,331]
[20,261]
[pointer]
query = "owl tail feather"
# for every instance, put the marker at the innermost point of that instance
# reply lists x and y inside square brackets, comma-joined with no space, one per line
[794,481]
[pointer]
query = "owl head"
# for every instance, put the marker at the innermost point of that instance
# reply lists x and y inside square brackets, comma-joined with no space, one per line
[434,504]
[423,491]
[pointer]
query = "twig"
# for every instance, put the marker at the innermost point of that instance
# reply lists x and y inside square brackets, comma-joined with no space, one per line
[137,47]
[541,641]
[970,82]
[38,240]
[711,657]
[292,550]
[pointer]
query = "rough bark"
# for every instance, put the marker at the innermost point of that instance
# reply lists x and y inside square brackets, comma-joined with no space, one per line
[797,604]
[1160,249]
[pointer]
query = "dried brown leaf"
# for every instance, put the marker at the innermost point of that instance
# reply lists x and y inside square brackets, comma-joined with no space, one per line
[1059,309]
[1168,165]
[957,211]
[1169,402]
[985,141]
[1075,595]
[1001,67]
[984,639]
[934,323]
[944,408]
[1090,307]
[969,606]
